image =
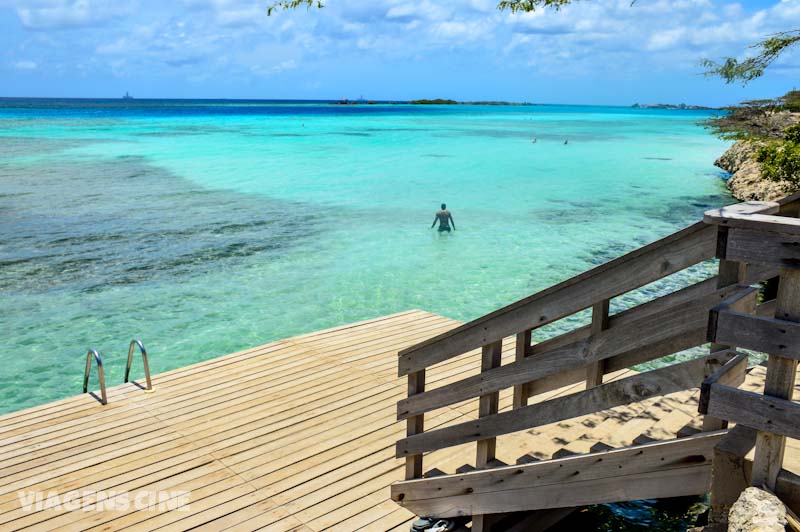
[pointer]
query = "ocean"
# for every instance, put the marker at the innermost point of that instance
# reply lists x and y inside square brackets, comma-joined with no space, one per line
[206,227]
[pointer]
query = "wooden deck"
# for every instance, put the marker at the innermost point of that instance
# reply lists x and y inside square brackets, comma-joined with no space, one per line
[298,434]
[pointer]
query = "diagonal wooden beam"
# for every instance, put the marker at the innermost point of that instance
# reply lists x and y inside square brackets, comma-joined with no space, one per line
[662,381]
[640,335]
[660,469]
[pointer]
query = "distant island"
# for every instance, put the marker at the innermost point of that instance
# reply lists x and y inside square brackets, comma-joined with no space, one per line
[671,106]
[442,101]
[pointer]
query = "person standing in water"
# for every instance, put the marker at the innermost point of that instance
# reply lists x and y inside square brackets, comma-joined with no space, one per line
[445,219]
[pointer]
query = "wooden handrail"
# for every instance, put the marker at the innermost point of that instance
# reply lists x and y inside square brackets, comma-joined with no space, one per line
[639,387]
[647,332]
[642,266]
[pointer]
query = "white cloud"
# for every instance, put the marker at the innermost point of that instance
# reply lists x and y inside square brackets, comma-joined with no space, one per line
[25,65]
[204,39]
[62,14]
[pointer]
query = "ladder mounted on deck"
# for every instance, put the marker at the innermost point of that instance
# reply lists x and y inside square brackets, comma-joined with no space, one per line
[93,354]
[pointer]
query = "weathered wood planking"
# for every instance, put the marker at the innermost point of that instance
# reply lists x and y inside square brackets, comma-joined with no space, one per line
[759,333]
[596,370]
[651,336]
[761,412]
[729,478]
[732,374]
[322,395]
[646,471]
[753,246]
[779,382]
[637,268]
[294,435]
[631,389]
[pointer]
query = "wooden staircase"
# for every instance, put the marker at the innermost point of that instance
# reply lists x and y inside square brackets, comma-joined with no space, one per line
[616,434]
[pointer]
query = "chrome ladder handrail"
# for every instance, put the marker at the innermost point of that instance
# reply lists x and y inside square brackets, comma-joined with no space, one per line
[138,343]
[100,374]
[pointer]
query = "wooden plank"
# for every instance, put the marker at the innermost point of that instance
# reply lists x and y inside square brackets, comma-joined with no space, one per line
[487,406]
[415,424]
[759,333]
[636,356]
[488,403]
[643,334]
[729,272]
[596,370]
[641,386]
[761,412]
[779,383]
[753,246]
[645,471]
[729,476]
[760,222]
[719,216]
[731,373]
[523,347]
[642,266]
[684,295]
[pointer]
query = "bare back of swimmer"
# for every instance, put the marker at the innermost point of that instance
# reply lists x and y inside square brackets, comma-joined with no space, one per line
[445,220]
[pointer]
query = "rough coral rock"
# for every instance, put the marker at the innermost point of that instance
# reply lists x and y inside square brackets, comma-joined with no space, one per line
[746,183]
[757,511]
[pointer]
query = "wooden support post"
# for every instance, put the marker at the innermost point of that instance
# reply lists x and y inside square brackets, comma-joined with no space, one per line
[730,272]
[491,356]
[488,404]
[730,475]
[415,424]
[779,383]
[522,348]
[596,370]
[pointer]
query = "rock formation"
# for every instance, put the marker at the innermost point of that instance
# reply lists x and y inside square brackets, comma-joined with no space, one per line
[757,511]
[746,182]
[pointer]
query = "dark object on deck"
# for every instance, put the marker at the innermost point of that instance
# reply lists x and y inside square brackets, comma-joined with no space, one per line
[432,524]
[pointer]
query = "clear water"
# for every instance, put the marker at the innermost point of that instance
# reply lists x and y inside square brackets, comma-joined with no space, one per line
[208,227]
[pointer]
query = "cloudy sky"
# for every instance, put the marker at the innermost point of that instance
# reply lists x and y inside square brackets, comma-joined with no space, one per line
[595,52]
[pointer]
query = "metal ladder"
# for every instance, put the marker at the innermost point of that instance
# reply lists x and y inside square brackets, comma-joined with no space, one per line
[100,374]
[143,351]
[92,353]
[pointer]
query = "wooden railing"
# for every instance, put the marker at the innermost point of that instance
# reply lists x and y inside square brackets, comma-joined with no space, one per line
[746,235]
[660,327]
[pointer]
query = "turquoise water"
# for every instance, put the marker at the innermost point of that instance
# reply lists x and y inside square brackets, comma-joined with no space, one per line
[208,227]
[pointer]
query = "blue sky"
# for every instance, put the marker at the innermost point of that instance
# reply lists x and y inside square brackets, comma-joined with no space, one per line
[594,52]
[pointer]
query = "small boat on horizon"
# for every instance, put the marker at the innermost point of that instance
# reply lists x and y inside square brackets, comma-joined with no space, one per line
[127,96]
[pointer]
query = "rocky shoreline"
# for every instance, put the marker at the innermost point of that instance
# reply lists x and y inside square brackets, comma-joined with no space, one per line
[746,182]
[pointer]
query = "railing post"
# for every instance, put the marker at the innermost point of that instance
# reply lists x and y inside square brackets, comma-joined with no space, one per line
[491,357]
[522,349]
[415,424]
[596,370]
[780,379]
[729,272]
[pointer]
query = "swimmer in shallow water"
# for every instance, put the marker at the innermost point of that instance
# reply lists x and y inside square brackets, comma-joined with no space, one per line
[445,219]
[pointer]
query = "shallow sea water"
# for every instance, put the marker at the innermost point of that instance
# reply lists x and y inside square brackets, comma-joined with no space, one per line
[208,227]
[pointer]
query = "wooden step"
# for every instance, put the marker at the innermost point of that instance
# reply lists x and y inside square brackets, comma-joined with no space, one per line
[689,429]
[563,453]
[527,459]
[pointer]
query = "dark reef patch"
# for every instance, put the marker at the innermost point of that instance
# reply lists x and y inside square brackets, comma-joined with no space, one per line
[81,224]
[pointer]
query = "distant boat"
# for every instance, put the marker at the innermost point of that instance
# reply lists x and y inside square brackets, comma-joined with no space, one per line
[127,96]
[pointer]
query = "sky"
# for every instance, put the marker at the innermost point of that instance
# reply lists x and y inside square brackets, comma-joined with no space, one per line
[607,52]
